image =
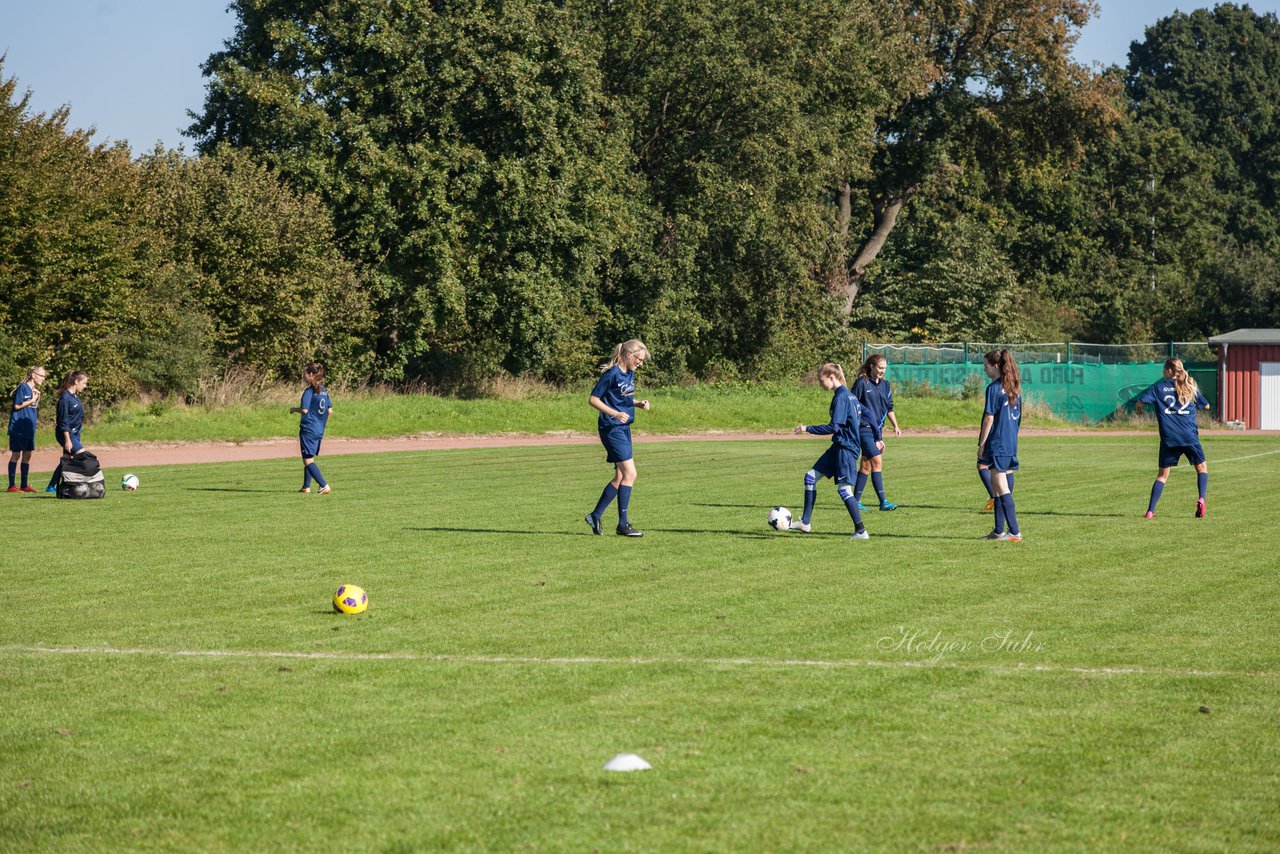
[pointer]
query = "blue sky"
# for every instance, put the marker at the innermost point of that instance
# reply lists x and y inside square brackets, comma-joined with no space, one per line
[131,68]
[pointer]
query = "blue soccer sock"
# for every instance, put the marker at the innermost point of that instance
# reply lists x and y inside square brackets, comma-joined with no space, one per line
[859,485]
[810,495]
[999,521]
[606,498]
[624,505]
[314,471]
[851,504]
[13,471]
[877,483]
[1202,483]
[306,476]
[56,478]
[26,474]
[1157,489]
[1010,515]
[985,474]
[1008,477]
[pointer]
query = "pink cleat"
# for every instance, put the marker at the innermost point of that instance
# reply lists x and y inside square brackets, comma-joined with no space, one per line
[1200,511]
[1148,515]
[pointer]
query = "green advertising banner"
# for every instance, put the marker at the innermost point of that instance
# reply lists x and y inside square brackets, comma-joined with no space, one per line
[1074,391]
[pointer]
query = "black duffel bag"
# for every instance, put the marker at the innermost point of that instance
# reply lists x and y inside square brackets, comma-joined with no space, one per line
[81,477]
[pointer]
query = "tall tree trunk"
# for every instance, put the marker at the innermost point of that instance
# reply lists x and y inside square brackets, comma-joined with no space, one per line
[885,210]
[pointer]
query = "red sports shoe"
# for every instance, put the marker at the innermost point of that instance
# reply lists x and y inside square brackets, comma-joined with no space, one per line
[1200,512]
[27,489]
[13,489]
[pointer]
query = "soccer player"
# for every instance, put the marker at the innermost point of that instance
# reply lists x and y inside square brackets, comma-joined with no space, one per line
[614,398]
[69,421]
[1176,399]
[998,438]
[22,426]
[840,461]
[876,397]
[315,409]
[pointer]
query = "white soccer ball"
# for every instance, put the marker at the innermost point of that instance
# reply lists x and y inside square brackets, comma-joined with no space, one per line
[129,482]
[780,519]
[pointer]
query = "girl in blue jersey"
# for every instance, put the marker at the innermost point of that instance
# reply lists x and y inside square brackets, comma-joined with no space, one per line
[998,438]
[840,462]
[1176,399]
[876,397]
[315,410]
[69,421]
[22,426]
[614,398]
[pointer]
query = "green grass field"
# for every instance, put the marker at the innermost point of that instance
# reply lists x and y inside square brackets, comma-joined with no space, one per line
[727,407]
[174,678]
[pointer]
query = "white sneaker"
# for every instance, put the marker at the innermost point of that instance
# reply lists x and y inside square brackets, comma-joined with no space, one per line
[861,535]
[801,527]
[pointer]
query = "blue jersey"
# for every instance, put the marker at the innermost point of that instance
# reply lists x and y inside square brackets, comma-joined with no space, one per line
[617,389]
[70,414]
[877,402]
[1177,420]
[843,427]
[22,420]
[317,405]
[1007,418]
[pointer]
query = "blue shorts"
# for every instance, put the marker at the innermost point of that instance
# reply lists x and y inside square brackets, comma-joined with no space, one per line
[61,436]
[616,439]
[839,463]
[309,445]
[867,440]
[23,437]
[998,462]
[1170,454]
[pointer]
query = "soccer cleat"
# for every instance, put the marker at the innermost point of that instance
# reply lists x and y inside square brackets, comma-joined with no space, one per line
[325,490]
[596,527]
[802,527]
[52,489]
[888,505]
[861,535]
[1010,537]
[27,489]
[305,489]
[989,506]
[14,489]
[861,506]
[628,531]
[1200,512]
[1148,515]
[994,535]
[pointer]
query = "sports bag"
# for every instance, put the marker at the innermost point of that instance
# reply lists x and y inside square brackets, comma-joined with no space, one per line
[81,477]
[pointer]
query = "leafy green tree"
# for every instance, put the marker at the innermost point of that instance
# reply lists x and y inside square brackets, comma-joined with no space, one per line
[999,93]
[74,248]
[469,159]
[252,278]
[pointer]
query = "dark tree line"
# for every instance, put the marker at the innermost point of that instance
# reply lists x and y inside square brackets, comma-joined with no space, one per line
[447,190]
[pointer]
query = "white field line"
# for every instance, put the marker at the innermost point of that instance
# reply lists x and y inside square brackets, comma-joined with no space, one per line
[785,663]
[1250,457]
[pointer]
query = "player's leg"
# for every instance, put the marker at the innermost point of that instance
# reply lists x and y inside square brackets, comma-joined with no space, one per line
[1196,456]
[1004,501]
[627,469]
[13,469]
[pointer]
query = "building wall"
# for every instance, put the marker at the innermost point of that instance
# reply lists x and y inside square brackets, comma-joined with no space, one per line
[1240,394]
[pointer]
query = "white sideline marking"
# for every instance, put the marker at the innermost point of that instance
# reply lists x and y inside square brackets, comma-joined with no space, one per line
[1250,457]
[591,660]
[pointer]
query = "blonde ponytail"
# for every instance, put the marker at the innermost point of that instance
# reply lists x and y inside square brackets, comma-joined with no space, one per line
[1182,381]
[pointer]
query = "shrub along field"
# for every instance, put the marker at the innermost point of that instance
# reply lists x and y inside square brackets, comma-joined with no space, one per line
[175,679]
